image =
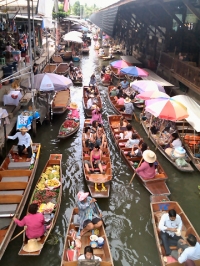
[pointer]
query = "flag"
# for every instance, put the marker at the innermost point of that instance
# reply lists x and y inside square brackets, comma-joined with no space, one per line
[66,5]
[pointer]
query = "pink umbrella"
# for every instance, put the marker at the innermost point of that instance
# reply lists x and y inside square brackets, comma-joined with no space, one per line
[146,85]
[120,64]
[147,95]
[168,109]
[134,71]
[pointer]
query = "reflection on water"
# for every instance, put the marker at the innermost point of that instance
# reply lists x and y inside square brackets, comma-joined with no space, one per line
[126,212]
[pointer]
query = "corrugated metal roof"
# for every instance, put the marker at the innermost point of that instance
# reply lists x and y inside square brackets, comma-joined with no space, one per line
[105,20]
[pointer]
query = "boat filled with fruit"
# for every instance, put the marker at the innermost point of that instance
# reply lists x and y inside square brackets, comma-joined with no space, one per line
[47,194]
[68,128]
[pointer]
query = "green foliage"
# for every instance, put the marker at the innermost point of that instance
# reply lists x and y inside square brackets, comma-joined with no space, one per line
[84,10]
[61,13]
[76,8]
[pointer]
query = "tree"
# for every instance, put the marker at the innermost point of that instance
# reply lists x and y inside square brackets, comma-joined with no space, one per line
[76,8]
[61,13]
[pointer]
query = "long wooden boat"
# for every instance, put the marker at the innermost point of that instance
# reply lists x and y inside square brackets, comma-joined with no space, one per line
[60,102]
[15,183]
[96,47]
[116,106]
[68,128]
[106,58]
[104,253]
[62,69]
[76,58]
[106,83]
[67,55]
[156,185]
[187,168]
[85,50]
[157,210]
[116,73]
[52,167]
[50,68]
[57,59]
[87,111]
[98,184]
[190,140]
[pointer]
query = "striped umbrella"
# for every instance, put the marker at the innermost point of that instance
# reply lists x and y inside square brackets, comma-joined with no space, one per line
[134,71]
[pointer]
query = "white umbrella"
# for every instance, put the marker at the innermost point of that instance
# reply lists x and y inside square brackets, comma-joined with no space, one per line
[72,38]
[77,33]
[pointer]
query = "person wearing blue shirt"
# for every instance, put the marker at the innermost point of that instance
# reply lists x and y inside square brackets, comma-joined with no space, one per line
[124,84]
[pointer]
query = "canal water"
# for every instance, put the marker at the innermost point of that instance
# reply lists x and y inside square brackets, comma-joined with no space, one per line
[126,212]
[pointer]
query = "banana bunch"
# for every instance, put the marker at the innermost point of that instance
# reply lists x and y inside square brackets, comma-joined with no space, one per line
[56,167]
[52,183]
[41,184]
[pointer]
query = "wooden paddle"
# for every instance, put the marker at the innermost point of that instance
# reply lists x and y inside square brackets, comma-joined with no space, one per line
[19,233]
[135,172]
[98,210]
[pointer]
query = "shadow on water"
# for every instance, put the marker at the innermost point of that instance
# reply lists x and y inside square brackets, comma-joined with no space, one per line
[127,212]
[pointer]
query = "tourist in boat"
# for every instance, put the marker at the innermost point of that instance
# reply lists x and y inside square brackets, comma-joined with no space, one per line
[95,160]
[127,133]
[96,115]
[100,137]
[74,110]
[93,81]
[89,138]
[133,141]
[128,106]
[175,140]
[170,225]
[114,92]
[92,101]
[124,84]
[79,75]
[188,249]
[88,254]
[107,77]
[24,143]
[147,168]
[142,146]
[120,99]
[89,218]
[101,51]
[34,222]
[103,71]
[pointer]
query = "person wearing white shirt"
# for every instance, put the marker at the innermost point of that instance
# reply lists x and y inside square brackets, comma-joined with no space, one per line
[170,224]
[188,249]
[90,102]
[24,142]
[88,254]
[176,142]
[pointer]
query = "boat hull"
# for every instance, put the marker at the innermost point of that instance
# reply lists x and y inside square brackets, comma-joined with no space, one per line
[70,133]
[87,111]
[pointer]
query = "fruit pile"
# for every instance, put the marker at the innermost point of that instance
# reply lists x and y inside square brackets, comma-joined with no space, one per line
[67,127]
[52,172]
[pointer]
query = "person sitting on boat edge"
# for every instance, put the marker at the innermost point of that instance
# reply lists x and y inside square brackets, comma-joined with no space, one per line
[24,143]
[75,113]
[88,254]
[147,168]
[89,218]
[128,106]
[95,160]
[170,226]
[188,249]
[34,222]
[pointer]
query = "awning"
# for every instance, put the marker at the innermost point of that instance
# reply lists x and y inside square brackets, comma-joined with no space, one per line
[131,60]
[153,76]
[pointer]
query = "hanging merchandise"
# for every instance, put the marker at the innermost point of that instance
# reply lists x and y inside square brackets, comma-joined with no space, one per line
[47,22]
[45,8]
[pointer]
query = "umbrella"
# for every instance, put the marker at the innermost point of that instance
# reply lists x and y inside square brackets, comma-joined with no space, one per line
[72,38]
[49,81]
[168,109]
[146,85]
[76,33]
[147,95]
[120,64]
[134,71]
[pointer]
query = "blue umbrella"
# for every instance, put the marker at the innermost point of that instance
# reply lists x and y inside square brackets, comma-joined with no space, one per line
[134,71]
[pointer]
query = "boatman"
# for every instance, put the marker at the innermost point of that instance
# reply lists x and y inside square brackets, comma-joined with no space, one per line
[24,144]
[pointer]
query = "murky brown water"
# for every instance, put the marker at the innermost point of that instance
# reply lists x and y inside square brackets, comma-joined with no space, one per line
[127,212]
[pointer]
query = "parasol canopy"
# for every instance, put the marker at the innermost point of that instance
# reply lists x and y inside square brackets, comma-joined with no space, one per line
[72,38]
[120,64]
[75,33]
[147,95]
[168,109]
[134,71]
[50,81]
[146,85]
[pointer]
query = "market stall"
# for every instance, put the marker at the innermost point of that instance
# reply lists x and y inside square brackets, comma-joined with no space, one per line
[12,98]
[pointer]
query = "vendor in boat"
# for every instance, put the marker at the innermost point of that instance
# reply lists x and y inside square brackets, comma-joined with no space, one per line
[170,226]
[24,143]
[147,168]
[90,219]
[89,138]
[74,111]
[142,146]
[188,249]
[34,222]
[96,115]
[114,92]
[133,141]
[128,106]
[95,160]
[93,81]
[120,99]
[103,71]
[89,255]
[174,141]
[124,84]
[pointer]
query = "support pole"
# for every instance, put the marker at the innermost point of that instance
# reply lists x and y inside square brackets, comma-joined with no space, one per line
[34,46]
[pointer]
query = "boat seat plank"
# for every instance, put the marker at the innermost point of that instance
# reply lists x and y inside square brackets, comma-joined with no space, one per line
[8,208]
[7,199]
[12,192]
[156,188]
[19,165]
[12,185]
[14,179]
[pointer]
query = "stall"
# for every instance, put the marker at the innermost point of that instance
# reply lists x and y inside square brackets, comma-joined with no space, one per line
[12,98]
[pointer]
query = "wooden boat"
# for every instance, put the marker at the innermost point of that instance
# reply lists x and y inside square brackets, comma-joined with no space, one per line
[85,50]
[76,58]
[117,51]
[116,73]
[159,208]
[156,185]
[67,55]
[103,189]
[54,162]
[50,68]
[153,138]
[139,103]
[60,102]
[78,82]
[96,47]
[104,253]
[68,128]
[101,56]
[106,58]
[190,140]
[16,180]
[57,59]
[116,106]
[62,69]
[87,111]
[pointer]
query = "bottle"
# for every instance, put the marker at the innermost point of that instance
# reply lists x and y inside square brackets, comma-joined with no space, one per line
[33,158]
[10,156]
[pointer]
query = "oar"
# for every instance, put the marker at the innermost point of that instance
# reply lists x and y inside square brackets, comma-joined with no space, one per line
[19,234]
[97,207]
[135,172]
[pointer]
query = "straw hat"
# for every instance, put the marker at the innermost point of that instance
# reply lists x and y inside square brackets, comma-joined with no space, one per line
[149,156]
[82,195]
[179,152]
[94,106]
[73,105]
[32,246]
[127,100]
[23,129]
